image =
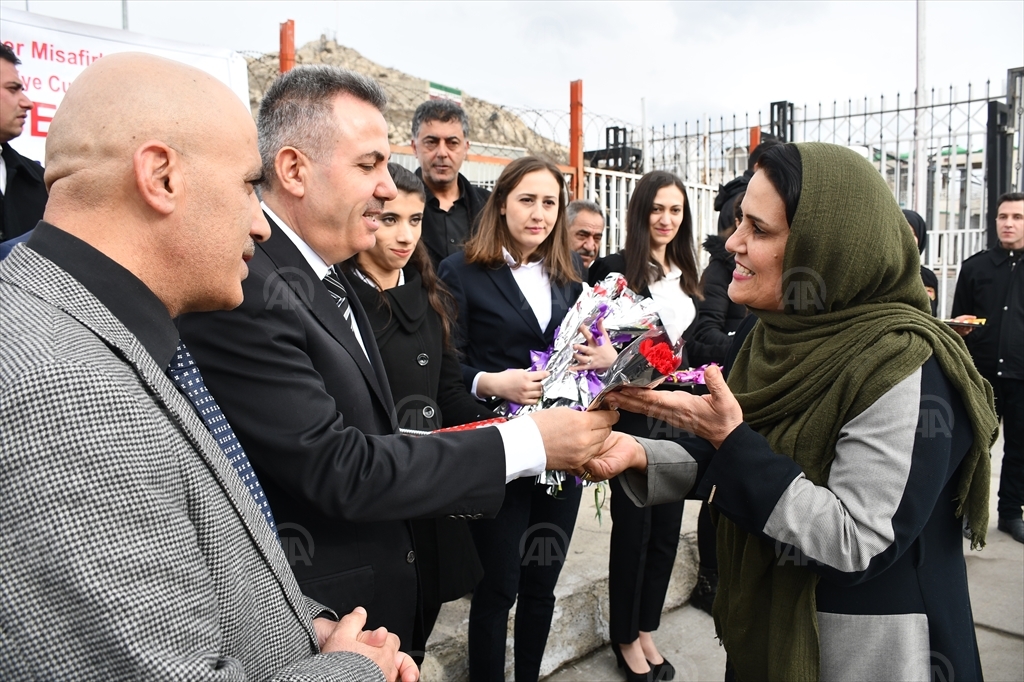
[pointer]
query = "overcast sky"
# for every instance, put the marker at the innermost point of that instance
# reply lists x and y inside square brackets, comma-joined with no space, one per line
[687,59]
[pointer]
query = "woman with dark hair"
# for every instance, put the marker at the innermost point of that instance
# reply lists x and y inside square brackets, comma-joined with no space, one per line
[659,261]
[513,286]
[412,315]
[931,282]
[849,448]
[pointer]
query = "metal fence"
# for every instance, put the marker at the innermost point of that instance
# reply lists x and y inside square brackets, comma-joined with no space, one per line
[942,147]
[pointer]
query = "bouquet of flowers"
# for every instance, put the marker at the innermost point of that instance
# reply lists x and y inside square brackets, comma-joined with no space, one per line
[645,363]
[624,313]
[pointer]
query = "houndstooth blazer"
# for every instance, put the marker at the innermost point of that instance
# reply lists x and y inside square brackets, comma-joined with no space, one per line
[129,548]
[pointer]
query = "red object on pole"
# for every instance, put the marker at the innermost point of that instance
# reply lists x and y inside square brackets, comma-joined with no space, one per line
[287,54]
[755,138]
[576,135]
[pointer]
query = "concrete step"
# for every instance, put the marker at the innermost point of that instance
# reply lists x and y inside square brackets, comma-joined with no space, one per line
[580,623]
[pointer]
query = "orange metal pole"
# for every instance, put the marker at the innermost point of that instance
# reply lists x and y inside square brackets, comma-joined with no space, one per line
[576,135]
[755,138]
[287,53]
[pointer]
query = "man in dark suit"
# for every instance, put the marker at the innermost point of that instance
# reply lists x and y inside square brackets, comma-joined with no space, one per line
[135,542]
[298,374]
[22,192]
[440,140]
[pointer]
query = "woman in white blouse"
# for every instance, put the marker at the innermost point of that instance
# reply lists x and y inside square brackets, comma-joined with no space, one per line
[660,261]
[513,285]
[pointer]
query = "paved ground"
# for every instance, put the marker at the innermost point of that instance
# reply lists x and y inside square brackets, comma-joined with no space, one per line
[996,580]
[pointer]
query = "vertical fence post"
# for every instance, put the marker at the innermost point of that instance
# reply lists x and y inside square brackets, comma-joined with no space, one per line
[287,53]
[576,135]
[755,138]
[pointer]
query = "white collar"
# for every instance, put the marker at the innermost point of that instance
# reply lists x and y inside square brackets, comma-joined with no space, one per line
[673,272]
[369,280]
[320,267]
[511,262]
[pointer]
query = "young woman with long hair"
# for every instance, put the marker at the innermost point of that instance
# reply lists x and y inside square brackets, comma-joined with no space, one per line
[513,284]
[660,261]
[413,315]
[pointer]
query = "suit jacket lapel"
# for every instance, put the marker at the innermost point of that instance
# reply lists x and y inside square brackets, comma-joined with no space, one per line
[55,286]
[506,284]
[292,267]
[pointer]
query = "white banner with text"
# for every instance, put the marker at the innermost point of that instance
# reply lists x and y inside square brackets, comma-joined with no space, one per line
[54,51]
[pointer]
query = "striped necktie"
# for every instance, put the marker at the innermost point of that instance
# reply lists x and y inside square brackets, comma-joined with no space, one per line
[338,293]
[185,375]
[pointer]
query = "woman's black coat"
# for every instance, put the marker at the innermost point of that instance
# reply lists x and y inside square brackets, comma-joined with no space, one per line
[426,383]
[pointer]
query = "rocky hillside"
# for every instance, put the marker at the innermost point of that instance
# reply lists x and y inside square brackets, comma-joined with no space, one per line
[489,123]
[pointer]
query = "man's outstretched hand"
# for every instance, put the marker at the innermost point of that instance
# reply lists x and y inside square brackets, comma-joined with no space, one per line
[379,645]
[571,437]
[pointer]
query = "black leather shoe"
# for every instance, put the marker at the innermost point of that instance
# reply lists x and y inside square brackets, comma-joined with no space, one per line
[703,595]
[663,671]
[1013,526]
[632,676]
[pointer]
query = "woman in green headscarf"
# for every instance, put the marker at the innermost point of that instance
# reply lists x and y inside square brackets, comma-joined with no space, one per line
[848,450]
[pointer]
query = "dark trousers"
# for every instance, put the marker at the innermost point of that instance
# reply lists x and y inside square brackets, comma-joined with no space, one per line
[522,550]
[1010,406]
[643,550]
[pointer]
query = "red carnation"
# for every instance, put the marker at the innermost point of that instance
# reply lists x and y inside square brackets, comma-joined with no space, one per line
[660,356]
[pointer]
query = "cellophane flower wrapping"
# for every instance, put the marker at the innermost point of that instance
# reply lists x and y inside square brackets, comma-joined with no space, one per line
[646,362]
[625,314]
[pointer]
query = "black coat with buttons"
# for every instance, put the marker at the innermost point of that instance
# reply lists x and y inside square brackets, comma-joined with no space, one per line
[991,285]
[426,382]
[425,379]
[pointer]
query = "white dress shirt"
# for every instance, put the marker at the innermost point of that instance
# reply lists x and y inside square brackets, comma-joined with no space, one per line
[674,306]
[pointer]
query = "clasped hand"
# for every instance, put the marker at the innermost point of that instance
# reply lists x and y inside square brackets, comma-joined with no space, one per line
[379,645]
[712,417]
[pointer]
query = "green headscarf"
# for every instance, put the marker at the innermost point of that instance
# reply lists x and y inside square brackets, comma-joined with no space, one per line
[856,322]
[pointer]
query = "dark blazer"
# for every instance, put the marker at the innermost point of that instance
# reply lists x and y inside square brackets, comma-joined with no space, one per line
[426,382]
[316,419]
[497,327]
[24,200]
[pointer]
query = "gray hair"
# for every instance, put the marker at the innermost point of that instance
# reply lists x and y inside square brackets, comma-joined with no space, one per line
[297,111]
[443,110]
[575,207]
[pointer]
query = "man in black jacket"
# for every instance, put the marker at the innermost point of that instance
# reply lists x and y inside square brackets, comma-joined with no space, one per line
[22,192]
[440,140]
[297,372]
[991,286]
